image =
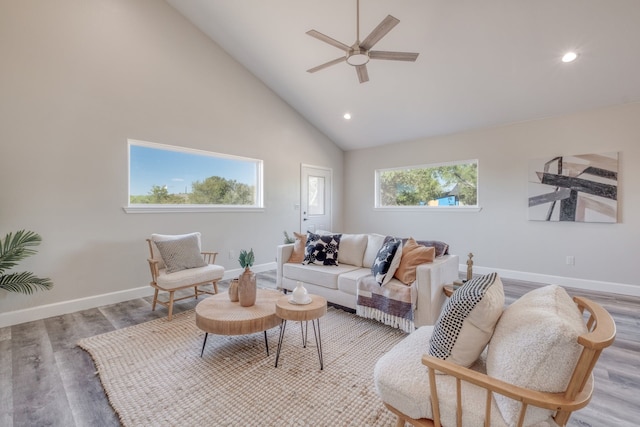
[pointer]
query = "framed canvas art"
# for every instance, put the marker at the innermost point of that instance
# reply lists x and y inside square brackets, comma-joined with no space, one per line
[581,188]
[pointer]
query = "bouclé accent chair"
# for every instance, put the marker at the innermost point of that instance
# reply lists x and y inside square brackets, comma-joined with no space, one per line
[177,262]
[535,371]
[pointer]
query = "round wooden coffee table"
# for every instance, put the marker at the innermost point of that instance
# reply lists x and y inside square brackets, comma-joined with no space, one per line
[218,315]
[313,311]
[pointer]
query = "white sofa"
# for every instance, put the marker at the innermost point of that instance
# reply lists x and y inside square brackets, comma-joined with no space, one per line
[357,253]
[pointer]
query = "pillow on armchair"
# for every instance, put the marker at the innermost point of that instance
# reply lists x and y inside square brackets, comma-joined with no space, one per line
[181,253]
[467,320]
[535,345]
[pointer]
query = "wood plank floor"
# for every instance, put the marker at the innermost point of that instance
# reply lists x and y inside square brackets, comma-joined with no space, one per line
[46,380]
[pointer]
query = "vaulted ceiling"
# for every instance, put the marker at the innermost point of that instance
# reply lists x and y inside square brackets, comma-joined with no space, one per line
[481,63]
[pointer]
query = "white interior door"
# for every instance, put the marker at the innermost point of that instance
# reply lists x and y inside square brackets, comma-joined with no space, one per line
[315,206]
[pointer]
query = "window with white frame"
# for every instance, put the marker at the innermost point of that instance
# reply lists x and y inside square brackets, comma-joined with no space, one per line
[439,185]
[168,176]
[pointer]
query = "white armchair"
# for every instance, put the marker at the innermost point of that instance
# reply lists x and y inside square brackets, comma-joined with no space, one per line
[533,374]
[177,262]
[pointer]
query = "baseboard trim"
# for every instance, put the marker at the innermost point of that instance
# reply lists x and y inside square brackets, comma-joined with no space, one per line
[569,282]
[65,307]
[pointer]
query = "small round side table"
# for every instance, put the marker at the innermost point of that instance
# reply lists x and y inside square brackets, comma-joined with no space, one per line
[313,311]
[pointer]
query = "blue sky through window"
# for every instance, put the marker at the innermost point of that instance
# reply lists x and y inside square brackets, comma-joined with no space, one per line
[179,169]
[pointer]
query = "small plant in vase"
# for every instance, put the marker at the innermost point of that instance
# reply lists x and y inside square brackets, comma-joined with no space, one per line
[247,280]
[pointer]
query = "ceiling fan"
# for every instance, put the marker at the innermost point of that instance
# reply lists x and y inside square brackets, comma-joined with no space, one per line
[359,54]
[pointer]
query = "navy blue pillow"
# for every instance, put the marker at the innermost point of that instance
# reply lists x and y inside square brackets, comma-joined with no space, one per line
[322,249]
[381,265]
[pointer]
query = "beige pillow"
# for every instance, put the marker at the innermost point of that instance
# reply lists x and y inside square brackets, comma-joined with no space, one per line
[467,320]
[413,255]
[535,345]
[298,248]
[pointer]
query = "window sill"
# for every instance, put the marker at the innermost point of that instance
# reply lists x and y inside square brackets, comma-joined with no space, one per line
[188,209]
[466,209]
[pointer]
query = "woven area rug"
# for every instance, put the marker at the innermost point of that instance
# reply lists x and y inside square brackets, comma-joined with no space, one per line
[153,374]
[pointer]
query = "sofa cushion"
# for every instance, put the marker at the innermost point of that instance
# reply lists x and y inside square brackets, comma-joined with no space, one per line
[387,261]
[413,255]
[374,243]
[322,249]
[352,247]
[181,253]
[348,282]
[299,246]
[467,320]
[535,345]
[321,275]
[402,381]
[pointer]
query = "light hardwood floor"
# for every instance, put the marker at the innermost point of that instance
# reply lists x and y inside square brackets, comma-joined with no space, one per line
[46,380]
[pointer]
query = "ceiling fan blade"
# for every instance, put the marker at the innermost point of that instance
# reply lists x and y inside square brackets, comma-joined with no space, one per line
[327,39]
[393,56]
[379,32]
[327,64]
[363,75]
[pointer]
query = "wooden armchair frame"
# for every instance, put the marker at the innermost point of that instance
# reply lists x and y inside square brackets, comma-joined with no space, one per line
[601,334]
[209,258]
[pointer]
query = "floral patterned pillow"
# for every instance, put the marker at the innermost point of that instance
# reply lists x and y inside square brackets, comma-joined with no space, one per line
[322,249]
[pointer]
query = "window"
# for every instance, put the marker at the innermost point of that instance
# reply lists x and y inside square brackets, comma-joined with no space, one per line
[164,177]
[443,185]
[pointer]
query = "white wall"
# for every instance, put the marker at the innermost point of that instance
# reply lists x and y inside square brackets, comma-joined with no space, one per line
[77,79]
[500,235]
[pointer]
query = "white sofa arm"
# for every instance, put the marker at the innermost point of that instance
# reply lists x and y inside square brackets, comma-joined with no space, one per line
[430,279]
[282,255]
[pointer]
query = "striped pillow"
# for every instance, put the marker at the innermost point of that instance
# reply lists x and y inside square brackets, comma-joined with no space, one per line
[181,254]
[467,320]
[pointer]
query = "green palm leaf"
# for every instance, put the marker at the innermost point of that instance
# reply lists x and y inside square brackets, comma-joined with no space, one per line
[25,283]
[14,248]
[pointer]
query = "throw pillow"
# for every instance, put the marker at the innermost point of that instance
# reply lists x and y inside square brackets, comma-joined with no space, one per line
[535,345]
[352,247]
[413,255]
[322,249]
[181,253]
[299,245]
[467,320]
[387,261]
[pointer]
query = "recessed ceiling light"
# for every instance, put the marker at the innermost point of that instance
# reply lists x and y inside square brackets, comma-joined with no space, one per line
[347,116]
[569,57]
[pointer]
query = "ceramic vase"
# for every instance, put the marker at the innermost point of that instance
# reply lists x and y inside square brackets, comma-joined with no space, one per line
[233,290]
[247,288]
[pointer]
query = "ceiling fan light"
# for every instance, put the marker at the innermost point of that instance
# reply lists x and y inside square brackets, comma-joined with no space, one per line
[356,59]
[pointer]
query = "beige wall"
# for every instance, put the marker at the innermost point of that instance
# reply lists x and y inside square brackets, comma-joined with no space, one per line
[500,235]
[77,79]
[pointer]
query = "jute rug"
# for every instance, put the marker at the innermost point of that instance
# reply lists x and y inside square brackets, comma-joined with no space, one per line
[153,374]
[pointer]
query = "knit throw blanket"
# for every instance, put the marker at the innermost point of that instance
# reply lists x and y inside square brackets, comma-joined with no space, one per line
[391,304]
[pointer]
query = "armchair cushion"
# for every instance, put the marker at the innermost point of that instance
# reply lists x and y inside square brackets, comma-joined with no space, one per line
[467,320]
[535,345]
[181,253]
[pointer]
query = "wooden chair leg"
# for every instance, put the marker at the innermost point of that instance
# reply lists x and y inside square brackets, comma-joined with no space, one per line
[155,300]
[215,287]
[400,422]
[170,304]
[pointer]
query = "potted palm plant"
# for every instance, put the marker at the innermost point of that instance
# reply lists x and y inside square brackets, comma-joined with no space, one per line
[247,280]
[14,248]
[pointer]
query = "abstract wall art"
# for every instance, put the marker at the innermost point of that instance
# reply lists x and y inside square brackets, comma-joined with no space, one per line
[582,188]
